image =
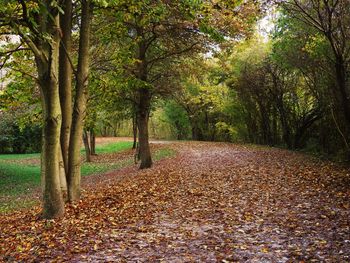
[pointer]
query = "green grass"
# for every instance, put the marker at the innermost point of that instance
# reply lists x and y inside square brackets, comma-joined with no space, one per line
[19,203]
[19,156]
[20,179]
[17,178]
[113,147]
[98,168]
[163,153]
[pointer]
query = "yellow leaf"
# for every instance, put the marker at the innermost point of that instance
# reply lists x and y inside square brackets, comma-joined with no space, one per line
[265,250]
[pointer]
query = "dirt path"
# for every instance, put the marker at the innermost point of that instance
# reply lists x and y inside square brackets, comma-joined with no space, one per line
[214,202]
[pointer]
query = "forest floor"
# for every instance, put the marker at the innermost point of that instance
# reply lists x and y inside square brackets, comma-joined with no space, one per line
[212,202]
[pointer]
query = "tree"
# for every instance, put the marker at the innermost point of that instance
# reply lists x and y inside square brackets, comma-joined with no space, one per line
[37,24]
[280,102]
[160,32]
[332,19]
[79,109]
[303,48]
[65,78]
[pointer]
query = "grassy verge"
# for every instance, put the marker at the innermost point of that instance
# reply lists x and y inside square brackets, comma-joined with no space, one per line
[4,157]
[18,181]
[113,147]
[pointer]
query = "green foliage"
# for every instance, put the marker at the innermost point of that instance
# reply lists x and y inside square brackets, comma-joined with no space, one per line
[227,131]
[178,119]
[17,136]
[204,104]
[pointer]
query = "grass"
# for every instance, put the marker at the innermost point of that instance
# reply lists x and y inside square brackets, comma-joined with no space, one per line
[19,156]
[163,153]
[19,179]
[113,147]
[16,179]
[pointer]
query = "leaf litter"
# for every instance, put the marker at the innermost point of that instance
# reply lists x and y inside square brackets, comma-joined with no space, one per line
[213,202]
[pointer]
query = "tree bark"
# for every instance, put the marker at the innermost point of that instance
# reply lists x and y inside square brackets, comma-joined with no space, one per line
[134,129]
[79,110]
[144,104]
[92,142]
[142,122]
[65,79]
[63,177]
[87,146]
[53,204]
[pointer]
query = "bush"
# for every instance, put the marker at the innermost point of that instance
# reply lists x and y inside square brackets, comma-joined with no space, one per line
[16,139]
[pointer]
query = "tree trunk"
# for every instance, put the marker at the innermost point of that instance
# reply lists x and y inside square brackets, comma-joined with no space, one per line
[79,111]
[284,123]
[92,142]
[134,130]
[87,146]
[304,125]
[63,177]
[197,134]
[142,122]
[65,79]
[104,131]
[53,204]
[265,124]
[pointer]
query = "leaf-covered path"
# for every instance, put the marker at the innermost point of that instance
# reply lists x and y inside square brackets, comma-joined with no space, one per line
[214,202]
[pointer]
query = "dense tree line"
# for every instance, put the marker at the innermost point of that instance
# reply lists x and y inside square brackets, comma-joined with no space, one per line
[289,91]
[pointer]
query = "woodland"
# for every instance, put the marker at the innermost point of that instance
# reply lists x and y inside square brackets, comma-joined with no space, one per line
[174,131]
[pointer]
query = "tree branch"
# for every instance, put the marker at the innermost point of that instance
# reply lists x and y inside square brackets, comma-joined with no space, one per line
[25,73]
[172,54]
[29,42]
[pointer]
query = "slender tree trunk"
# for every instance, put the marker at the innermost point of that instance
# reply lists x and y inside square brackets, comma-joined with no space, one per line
[274,127]
[142,122]
[53,204]
[265,125]
[197,134]
[79,110]
[63,177]
[285,127]
[92,142]
[303,127]
[104,131]
[134,129]
[87,146]
[65,79]
[144,105]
